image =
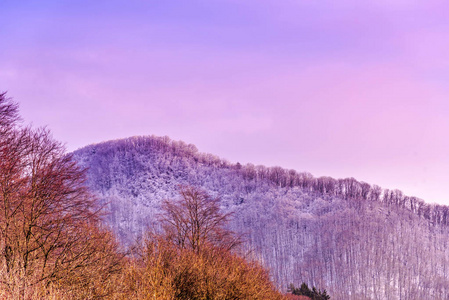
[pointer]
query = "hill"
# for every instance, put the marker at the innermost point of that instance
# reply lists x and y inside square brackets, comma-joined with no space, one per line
[356,240]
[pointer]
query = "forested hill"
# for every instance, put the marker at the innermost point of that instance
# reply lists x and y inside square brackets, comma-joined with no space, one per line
[356,240]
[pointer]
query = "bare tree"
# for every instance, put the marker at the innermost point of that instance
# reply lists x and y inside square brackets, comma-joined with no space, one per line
[195,220]
[49,222]
[9,115]
[191,259]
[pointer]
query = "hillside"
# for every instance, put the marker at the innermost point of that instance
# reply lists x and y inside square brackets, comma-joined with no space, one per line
[356,240]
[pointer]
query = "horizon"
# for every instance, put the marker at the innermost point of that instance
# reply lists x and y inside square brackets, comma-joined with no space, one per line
[335,89]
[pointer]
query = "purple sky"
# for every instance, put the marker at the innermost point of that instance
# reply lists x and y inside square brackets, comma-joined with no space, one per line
[341,88]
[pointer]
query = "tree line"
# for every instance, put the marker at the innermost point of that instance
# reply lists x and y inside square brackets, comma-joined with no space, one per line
[346,188]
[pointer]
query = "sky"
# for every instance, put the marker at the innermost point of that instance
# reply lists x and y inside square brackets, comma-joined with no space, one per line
[336,88]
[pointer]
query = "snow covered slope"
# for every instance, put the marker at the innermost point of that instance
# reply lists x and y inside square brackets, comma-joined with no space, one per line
[357,241]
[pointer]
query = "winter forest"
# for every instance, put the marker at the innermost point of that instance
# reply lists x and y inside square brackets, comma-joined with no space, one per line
[356,240]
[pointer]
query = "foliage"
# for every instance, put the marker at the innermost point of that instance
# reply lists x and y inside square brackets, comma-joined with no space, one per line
[166,271]
[313,293]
